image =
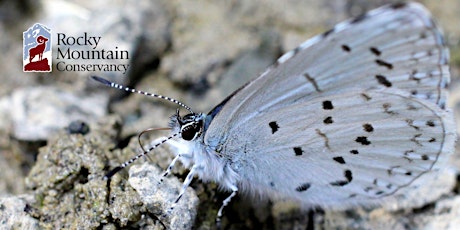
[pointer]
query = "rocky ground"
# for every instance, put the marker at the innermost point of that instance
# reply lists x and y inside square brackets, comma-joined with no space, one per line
[61,132]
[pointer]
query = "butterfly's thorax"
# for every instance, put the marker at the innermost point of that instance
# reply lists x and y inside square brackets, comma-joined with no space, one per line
[208,164]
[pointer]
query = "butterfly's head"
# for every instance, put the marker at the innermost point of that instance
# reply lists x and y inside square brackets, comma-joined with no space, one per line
[190,125]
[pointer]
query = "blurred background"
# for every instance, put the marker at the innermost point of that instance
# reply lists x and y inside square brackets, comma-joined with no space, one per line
[195,51]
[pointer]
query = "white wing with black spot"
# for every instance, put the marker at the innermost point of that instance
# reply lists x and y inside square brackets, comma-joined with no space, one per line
[355,113]
[353,147]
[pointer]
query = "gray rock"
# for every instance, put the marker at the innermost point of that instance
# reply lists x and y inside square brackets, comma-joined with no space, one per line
[13,214]
[159,198]
[444,215]
[12,177]
[37,113]
[68,186]
[204,43]
[70,192]
[440,214]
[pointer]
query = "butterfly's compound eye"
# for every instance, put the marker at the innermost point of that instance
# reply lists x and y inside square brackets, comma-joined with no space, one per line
[191,130]
[191,126]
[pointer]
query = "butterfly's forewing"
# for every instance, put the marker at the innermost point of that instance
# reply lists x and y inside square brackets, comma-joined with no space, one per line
[396,46]
[300,128]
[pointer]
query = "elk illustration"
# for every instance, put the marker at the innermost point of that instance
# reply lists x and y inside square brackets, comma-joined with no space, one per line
[39,49]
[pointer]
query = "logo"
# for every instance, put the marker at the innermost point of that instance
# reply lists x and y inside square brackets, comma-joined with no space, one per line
[83,52]
[37,52]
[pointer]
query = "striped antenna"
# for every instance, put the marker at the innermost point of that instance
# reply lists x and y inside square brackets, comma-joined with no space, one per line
[130,161]
[117,86]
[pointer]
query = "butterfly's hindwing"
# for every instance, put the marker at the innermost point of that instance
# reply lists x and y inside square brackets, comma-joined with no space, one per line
[349,148]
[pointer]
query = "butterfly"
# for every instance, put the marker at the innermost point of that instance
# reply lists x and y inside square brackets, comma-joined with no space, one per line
[350,117]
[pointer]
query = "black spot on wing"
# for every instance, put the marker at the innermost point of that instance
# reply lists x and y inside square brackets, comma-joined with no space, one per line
[363,140]
[327,105]
[339,160]
[348,175]
[368,128]
[354,151]
[328,120]
[375,51]
[383,80]
[430,123]
[348,178]
[384,64]
[274,126]
[303,187]
[298,151]
[339,183]
[346,48]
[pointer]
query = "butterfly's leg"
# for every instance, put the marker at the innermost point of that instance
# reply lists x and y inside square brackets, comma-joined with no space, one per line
[186,183]
[181,154]
[225,203]
[170,167]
